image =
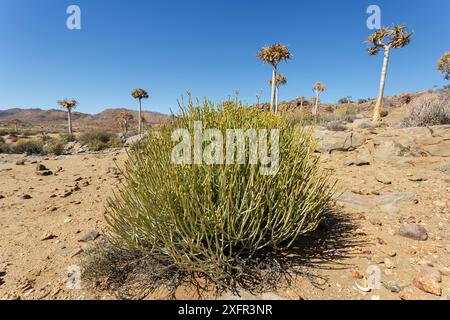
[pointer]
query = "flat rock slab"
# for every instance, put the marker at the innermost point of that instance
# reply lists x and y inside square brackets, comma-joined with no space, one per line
[394,198]
[89,236]
[413,231]
[354,201]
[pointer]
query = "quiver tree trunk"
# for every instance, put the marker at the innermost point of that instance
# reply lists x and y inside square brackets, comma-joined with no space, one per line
[272,98]
[377,109]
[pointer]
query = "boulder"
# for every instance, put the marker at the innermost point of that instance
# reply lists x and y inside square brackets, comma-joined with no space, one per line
[329,141]
[413,231]
[134,140]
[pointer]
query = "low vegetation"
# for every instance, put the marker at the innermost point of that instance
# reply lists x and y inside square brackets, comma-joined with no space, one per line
[208,221]
[428,110]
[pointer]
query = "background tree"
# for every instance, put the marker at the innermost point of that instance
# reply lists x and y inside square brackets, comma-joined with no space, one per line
[68,105]
[123,119]
[15,123]
[318,88]
[280,81]
[143,122]
[444,65]
[273,55]
[386,39]
[302,100]
[139,94]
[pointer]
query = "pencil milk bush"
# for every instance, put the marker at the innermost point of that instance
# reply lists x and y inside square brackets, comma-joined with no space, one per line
[207,218]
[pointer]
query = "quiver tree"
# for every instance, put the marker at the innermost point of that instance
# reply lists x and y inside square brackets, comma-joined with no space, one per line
[273,55]
[139,94]
[280,81]
[318,88]
[123,119]
[386,39]
[68,105]
[444,65]
[15,123]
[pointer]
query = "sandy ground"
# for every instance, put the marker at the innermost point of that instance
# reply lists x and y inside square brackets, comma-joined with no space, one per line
[65,206]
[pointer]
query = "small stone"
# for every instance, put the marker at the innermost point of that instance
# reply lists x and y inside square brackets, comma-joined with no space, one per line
[44,173]
[417,179]
[358,163]
[89,236]
[357,274]
[67,220]
[41,167]
[380,177]
[78,179]
[376,222]
[47,236]
[444,270]
[406,295]
[66,194]
[26,197]
[424,281]
[413,231]
[394,286]
[20,162]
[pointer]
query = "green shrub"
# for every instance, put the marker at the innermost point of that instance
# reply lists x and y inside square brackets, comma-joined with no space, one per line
[207,219]
[428,110]
[96,140]
[56,146]
[335,126]
[26,146]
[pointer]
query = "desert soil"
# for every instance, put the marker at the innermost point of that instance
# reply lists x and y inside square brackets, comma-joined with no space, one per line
[43,218]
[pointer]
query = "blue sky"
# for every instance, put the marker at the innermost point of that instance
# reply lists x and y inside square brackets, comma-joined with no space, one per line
[207,47]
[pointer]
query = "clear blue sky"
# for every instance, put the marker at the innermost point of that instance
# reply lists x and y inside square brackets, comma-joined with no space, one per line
[207,47]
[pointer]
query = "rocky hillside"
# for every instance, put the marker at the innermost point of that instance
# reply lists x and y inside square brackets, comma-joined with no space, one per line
[56,119]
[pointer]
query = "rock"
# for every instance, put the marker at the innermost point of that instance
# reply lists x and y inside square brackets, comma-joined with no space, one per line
[376,222]
[358,163]
[354,201]
[41,167]
[394,198]
[413,231]
[338,141]
[394,286]
[44,173]
[407,295]
[424,281]
[78,179]
[20,162]
[2,196]
[71,251]
[26,197]
[381,177]
[444,270]
[356,274]
[66,194]
[89,236]
[75,147]
[48,236]
[134,140]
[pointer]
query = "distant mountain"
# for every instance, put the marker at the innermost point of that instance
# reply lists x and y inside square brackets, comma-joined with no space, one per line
[55,119]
